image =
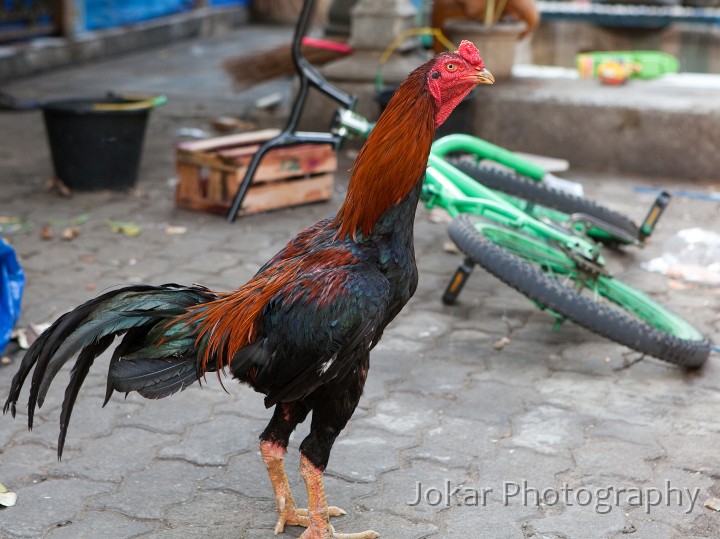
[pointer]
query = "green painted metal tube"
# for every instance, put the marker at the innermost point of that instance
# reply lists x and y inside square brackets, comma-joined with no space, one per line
[486,150]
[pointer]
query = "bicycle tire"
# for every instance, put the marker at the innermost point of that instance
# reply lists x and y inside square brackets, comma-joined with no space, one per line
[678,343]
[539,193]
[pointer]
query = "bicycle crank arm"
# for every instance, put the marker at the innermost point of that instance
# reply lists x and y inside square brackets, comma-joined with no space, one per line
[588,221]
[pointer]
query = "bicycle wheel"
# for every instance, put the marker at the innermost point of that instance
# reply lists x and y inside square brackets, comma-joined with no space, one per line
[550,277]
[539,193]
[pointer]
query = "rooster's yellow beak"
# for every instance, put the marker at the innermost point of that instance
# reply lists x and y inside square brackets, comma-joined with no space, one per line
[485,77]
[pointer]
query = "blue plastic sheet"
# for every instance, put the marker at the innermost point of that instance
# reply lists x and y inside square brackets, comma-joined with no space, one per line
[12,283]
[29,17]
[229,3]
[101,14]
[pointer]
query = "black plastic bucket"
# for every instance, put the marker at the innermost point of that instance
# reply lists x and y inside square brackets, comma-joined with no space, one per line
[96,149]
[459,121]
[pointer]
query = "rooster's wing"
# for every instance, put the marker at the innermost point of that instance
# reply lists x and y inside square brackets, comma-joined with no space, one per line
[315,332]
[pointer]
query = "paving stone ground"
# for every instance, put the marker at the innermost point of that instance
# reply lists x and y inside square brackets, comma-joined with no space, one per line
[481,433]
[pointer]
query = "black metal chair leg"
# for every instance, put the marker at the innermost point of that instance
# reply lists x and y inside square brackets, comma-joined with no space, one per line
[309,77]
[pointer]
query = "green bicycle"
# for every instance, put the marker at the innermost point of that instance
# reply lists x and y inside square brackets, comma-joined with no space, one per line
[547,244]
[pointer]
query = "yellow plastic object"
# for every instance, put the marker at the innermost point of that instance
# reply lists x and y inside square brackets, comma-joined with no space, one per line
[645,64]
[614,73]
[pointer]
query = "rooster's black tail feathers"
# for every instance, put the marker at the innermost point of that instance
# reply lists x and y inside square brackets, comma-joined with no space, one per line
[156,358]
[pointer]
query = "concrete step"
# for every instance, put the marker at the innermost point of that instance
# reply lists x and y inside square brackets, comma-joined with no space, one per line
[667,127]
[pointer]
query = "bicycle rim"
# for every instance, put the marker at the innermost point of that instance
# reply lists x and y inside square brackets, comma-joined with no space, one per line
[550,277]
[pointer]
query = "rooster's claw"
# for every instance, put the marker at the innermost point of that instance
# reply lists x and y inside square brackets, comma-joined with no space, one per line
[294,516]
[332,534]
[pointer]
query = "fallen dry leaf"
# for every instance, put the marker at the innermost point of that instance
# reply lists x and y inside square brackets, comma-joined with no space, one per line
[712,503]
[12,225]
[70,233]
[46,233]
[20,335]
[127,228]
[501,343]
[7,498]
[175,229]
[81,219]
[56,183]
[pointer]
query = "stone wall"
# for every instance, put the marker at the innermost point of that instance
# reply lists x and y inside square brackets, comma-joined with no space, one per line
[697,46]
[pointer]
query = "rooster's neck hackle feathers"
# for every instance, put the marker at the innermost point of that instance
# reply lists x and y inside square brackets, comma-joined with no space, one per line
[392,160]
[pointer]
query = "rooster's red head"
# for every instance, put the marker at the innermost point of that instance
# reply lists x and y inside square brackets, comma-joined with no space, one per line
[451,77]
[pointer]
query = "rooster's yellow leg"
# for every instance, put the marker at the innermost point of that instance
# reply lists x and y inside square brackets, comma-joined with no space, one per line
[318,511]
[288,512]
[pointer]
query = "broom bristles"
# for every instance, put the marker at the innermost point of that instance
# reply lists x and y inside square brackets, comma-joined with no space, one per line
[260,66]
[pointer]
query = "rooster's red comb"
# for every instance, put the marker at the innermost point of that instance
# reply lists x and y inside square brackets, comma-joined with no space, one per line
[470,54]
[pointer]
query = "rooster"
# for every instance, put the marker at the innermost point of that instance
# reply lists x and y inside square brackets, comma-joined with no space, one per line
[301,330]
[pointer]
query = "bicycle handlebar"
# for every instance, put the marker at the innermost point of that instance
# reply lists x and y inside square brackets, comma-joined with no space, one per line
[487,150]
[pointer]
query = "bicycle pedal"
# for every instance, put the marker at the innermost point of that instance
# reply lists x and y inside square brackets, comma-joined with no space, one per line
[457,282]
[656,210]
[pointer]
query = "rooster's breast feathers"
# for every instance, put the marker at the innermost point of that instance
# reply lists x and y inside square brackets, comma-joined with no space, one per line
[317,326]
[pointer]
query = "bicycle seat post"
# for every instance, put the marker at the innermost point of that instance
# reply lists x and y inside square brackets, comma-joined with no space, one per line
[309,76]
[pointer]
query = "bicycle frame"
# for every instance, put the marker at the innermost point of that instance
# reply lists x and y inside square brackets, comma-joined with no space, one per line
[456,192]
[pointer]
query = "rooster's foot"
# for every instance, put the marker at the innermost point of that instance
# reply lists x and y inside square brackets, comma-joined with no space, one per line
[318,511]
[330,533]
[290,515]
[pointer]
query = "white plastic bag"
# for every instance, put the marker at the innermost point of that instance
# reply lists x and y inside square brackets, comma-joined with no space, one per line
[693,254]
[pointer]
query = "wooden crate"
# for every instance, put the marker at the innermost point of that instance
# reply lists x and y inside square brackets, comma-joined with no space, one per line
[211,170]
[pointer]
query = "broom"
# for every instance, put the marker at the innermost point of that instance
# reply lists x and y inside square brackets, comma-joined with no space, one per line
[260,66]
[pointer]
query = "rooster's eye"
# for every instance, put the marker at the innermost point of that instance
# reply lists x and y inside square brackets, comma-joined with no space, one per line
[451,67]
